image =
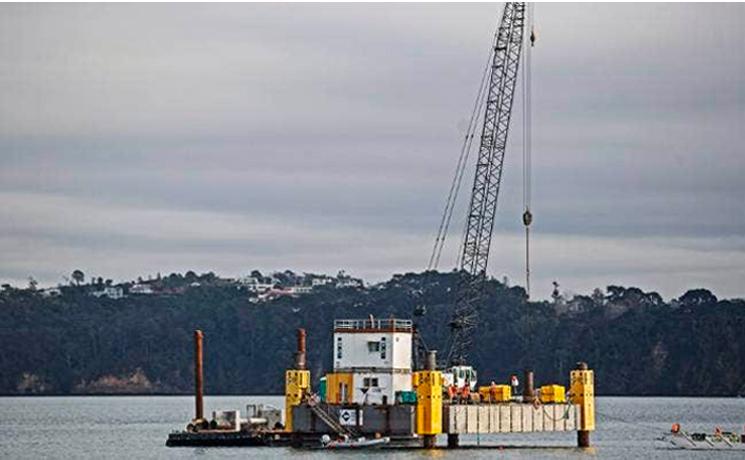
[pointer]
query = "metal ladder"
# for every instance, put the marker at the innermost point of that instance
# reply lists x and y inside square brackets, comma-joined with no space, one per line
[326,418]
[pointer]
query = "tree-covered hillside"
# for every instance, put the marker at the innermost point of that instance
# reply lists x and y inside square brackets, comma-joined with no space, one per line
[73,342]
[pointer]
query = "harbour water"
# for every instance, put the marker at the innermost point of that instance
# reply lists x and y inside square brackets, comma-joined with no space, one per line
[137,427]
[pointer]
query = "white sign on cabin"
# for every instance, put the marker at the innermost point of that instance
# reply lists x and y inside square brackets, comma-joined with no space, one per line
[349,417]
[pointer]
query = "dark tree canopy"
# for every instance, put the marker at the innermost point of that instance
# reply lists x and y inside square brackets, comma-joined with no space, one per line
[78,276]
[636,343]
[696,297]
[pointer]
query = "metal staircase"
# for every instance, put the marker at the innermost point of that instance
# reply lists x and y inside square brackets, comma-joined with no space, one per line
[332,423]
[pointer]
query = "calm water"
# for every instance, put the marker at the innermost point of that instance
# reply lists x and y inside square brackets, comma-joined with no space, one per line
[137,427]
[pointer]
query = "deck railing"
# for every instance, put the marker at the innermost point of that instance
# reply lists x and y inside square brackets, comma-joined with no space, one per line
[391,324]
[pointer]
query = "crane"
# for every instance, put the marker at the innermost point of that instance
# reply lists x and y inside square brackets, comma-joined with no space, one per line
[474,256]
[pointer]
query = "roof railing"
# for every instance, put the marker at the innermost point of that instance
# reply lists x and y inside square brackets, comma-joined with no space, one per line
[391,324]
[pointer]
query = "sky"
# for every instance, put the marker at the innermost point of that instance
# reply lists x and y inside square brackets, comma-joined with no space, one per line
[146,138]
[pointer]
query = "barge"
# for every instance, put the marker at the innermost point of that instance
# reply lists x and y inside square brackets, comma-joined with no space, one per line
[374,394]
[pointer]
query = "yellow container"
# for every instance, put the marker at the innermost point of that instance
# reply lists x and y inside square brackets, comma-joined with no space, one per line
[339,388]
[495,393]
[553,394]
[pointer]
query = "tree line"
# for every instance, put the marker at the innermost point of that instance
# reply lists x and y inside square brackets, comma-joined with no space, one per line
[637,343]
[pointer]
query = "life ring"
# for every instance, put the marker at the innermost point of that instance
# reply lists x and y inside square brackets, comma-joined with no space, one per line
[536,403]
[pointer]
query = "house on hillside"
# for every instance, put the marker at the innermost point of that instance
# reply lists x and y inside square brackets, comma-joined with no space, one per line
[350,283]
[297,290]
[345,281]
[256,285]
[317,281]
[141,289]
[112,292]
[51,292]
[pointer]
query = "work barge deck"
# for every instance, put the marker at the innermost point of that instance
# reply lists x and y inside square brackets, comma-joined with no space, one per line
[413,424]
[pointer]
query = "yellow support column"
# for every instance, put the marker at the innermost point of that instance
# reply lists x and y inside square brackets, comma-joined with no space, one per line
[428,386]
[297,385]
[297,381]
[582,389]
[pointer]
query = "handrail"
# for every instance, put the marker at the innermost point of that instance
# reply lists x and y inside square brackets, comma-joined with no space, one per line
[374,324]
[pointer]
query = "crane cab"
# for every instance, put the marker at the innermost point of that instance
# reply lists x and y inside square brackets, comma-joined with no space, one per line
[460,377]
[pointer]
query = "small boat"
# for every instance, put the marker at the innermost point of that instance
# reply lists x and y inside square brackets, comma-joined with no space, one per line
[352,443]
[719,440]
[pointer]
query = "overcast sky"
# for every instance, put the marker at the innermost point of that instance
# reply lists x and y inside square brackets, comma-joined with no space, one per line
[137,139]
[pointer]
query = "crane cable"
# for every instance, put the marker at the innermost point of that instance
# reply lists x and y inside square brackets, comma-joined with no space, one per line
[442,231]
[452,198]
[527,145]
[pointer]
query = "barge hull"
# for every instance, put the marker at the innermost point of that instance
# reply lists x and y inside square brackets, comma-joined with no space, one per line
[227,438]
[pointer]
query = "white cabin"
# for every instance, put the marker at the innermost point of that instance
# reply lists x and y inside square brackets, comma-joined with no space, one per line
[378,353]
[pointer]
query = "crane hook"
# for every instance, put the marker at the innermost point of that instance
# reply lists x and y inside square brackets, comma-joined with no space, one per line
[527,218]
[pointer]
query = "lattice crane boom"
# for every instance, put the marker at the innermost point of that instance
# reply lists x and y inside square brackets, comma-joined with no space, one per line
[487,179]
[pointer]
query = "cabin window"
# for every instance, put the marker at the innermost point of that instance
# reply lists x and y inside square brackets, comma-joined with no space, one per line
[382,348]
[338,348]
[373,347]
[370,382]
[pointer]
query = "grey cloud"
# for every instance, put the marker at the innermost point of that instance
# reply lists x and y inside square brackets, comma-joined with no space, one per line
[348,118]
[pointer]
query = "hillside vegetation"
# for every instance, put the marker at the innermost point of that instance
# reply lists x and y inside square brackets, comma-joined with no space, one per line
[72,342]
